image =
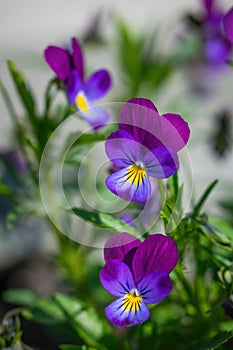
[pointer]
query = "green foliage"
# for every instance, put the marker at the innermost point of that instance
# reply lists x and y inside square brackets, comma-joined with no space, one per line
[141,59]
[213,342]
[104,220]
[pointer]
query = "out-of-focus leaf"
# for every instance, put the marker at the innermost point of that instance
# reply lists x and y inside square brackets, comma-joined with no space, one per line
[6,191]
[203,198]
[23,91]
[222,229]
[75,347]
[213,342]
[104,220]
[130,49]
[8,102]
[83,139]
[84,320]
[41,309]
[186,50]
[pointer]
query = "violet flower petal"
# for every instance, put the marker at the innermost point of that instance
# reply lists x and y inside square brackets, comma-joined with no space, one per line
[122,149]
[143,123]
[119,245]
[175,131]
[77,56]
[135,189]
[119,316]
[155,287]
[97,85]
[217,50]
[157,252]
[143,102]
[208,5]
[228,24]
[74,86]
[161,163]
[59,60]
[117,278]
[96,116]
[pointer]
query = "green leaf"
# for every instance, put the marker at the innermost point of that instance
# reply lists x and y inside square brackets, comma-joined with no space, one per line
[203,198]
[84,321]
[223,228]
[8,103]
[104,220]
[89,138]
[75,347]
[6,191]
[20,297]
[213,342]
[41,309]
[24,91]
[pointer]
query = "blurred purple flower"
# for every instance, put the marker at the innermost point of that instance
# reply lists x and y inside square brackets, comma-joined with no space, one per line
[138,273]
[146,144]
[82,92]
[14,159]
[217,47]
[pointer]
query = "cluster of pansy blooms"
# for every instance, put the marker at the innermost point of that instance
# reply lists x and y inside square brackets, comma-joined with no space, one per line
[216,29]
[145,145]
[82,92]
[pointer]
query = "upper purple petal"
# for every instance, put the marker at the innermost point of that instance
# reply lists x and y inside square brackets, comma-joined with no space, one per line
[208,5]
[142,122]
[228,24]
[157,252]
[161,162]
[175,131]
[119,245]
[152,130]
[119,316]
[155,287]
[143,102]
[117,278]
[59,60]
[77,56]
[97,85]
[74,85]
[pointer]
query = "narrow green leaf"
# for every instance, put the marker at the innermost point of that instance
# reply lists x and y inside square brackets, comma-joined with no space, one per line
[20,297]
[83,320]
[41,309]
[104,220]
[23,91]
[213,342]
[8,103]
[223,228]
[203,198]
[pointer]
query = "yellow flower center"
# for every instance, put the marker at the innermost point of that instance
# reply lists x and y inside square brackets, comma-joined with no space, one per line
[132,301]
[136,174]
[81,102]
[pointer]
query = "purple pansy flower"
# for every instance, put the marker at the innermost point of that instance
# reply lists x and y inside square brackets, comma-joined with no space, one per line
[82,92]
[138,273]
[217,46]
[146,144]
